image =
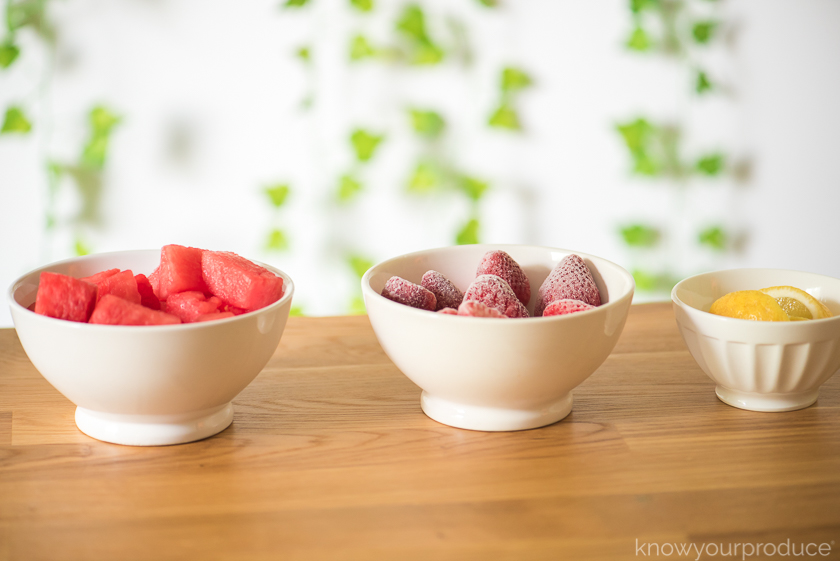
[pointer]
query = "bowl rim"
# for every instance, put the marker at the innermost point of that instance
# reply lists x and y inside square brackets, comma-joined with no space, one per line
[764,324]
[288,286]
[368,291]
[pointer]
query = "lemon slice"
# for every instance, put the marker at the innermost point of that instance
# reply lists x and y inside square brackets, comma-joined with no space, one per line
[796,302]
[749,304]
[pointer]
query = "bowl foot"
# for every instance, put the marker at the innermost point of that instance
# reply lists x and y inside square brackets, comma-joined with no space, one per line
[766,401]
[475,417]
[154,430]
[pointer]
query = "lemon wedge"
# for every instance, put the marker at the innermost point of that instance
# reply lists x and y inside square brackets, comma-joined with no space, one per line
[797,303]
[749,304]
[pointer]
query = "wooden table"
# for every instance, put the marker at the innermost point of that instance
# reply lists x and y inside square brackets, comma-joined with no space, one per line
[330,457]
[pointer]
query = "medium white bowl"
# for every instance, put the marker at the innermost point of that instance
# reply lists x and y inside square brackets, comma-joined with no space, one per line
[760,365]
[496,374]
[146,385]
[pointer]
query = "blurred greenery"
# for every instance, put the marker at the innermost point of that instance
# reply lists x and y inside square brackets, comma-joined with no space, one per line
[295,3]
[514,79]
[297,311]
[426,123]
[360,48]
[362,5]
[102,121]
[711,165]
[426,177]
[80,247]
[365,143]
[505,117]
[277,194]
[703,31]
[703,83]
[277,240]
[8,53]
[489,3]
[359,264]
[648,281]
[639,40]
[468,233]
[15,121]
[31,14]
[639,235]
[411,25]
[304,54]
[714,237]
[472,187]
[348,188]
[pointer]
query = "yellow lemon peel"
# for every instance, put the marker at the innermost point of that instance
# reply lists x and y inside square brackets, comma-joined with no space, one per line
[749,304]
[793,300]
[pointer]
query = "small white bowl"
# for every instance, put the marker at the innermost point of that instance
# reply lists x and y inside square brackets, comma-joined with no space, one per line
[496,374]
[760,365]
[146,385]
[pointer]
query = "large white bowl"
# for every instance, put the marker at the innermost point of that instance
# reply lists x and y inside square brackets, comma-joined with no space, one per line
[146,385]
[496,374]
[760,365]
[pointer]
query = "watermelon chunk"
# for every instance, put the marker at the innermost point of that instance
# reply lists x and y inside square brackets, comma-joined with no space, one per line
[64,297]
[100,276]
[239,282]
[191,304]
[179,271]
[147,293]
[214,316]
[122,285]
[112,310]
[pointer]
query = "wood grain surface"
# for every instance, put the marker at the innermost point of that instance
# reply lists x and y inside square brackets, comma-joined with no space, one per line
[330,457]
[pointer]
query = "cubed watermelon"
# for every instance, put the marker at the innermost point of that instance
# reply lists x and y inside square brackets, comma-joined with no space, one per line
[214,316]
[122,285]
[239,282]
[64,297]
[179,271]
[112,310]
[147,293]
[100,276]
[191,304]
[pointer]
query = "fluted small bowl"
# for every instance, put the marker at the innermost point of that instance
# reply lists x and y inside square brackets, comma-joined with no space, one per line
[760,365]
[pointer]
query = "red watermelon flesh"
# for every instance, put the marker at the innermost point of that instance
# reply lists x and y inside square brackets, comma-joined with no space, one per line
[154,280]
[112,310]
[100,276]
[188,306]
[180,271]
[64,297]
[225,307]
[147,293]
[239,282]
[214,315]
[122,285]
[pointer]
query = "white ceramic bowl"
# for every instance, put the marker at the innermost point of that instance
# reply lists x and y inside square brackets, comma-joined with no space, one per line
[760,365]
[146,385]
[496,374]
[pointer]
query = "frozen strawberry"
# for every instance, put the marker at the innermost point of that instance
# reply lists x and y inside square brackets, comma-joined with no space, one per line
[501,264]
[566,306]
[400,290]
[147,293]
[570,279]
[494,292]
[446,293]
[476,309]
[448,311]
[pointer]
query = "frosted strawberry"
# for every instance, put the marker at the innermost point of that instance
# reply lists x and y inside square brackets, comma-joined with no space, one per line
[566,306]
[445,291]
[400,290]
[570,279]
[494,292]
[502,265]
[476,309]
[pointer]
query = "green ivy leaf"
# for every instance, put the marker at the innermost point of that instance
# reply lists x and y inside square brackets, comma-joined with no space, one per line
[362,5]
[412,23]
[348,188]
[505,117]
[297,311]
[637,6]
[15,121]
[364,144]
[489,3]
[277,194]
[8,53]
[426,53]
[702,84]
[703,31]
[277,240]
[102,120]
[639,40]
[304,54]
[360,48]
[426,178]
[644,164]
[711,165]
[80,247]
[714,237]
[639,235]
[474,188]
[468,233]
[95,152]
[359,264]
[637,134]
[514,79]
[295,3]
[428,124]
